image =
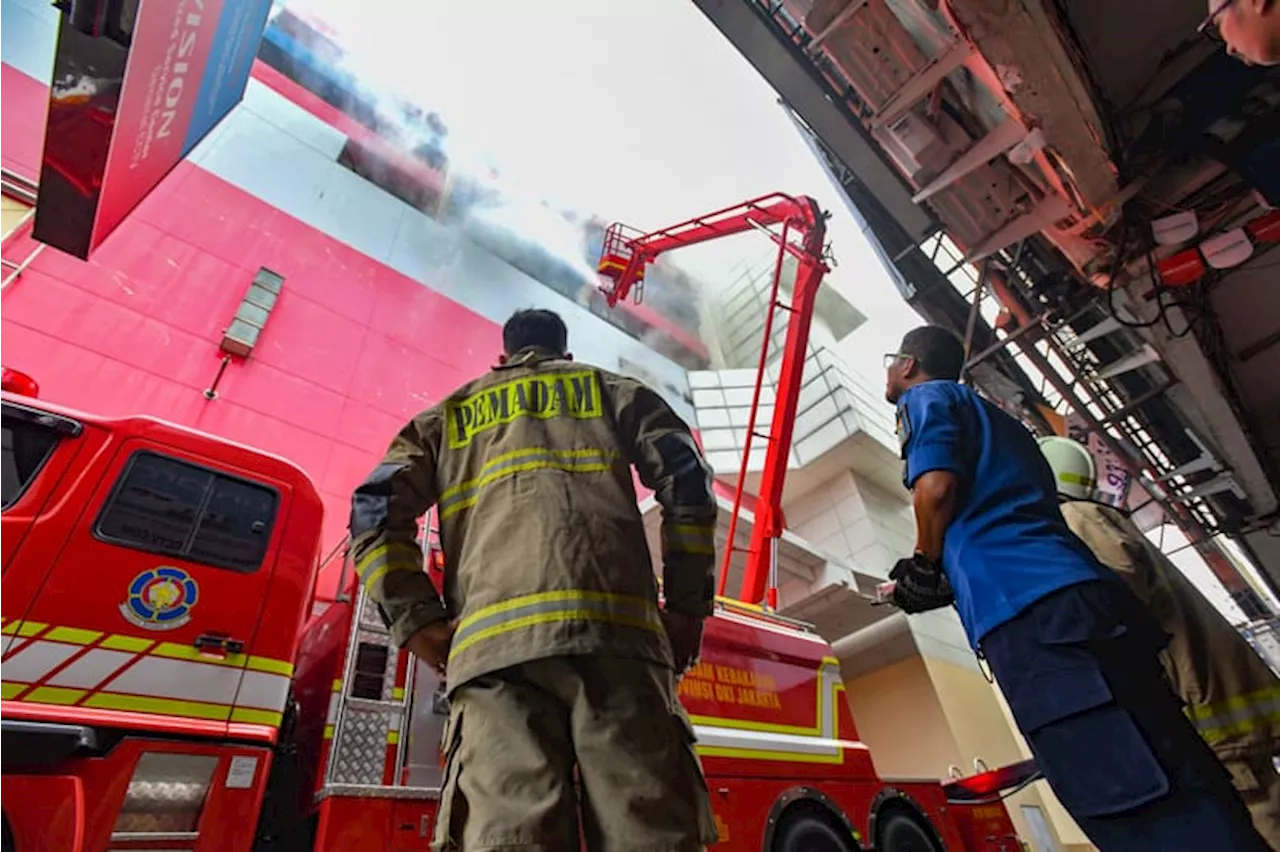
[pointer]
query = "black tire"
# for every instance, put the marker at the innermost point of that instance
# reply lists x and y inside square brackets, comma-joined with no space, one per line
[810,833]
[904,833]
[8,843]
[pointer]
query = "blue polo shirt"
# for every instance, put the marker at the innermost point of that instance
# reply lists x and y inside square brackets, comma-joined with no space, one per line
[1007,545]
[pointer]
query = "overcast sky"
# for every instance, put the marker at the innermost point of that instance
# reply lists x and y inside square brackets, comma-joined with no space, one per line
[638,111]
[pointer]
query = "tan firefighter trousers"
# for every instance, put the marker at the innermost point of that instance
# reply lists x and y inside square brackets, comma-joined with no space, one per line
[516,736]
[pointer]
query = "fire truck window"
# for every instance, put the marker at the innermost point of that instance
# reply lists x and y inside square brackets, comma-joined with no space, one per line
[235,525]
[371,671]
[164,505]
[26,448]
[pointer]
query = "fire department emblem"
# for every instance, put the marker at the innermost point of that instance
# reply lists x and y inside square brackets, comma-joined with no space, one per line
[160,599]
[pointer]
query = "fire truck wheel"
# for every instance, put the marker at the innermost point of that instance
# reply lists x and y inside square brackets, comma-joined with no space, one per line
[807,832]
[903,833]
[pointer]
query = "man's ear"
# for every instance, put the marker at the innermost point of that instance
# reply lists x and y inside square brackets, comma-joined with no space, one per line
[910,367]
[568,356]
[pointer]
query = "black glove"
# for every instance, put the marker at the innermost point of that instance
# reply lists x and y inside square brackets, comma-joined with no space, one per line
[921,585]
[685,634]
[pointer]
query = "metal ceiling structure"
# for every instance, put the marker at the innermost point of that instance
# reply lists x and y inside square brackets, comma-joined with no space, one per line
[1085,190]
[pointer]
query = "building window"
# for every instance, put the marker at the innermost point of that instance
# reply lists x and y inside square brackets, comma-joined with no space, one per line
[163,505]
[418,176]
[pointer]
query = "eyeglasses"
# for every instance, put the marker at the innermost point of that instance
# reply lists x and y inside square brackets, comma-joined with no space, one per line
[1209,26]
[891,358]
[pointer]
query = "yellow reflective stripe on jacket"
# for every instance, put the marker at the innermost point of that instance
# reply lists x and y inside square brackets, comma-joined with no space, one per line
[691,538]
[1237,716]
[547,607]
[466,493]
[378,562]
[76,667]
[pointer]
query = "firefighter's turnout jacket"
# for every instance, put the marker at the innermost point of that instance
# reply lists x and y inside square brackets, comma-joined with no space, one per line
[1232,695]
[529,468]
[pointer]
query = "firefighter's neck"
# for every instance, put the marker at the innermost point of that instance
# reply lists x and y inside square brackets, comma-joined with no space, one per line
[529,354]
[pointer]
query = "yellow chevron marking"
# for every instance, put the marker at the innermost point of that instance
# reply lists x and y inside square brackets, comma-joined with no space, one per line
[253,716]
[31,628]
[167,706]
[126,643]
[266,664]
[72,635]
[55,695]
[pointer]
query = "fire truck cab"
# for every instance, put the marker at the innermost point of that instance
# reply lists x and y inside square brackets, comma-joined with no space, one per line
[169,683]
[155,585]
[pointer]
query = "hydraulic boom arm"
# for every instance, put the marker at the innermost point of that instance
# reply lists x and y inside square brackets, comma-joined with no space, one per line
[628,252]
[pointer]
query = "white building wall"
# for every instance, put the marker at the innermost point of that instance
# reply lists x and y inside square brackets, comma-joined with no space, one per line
[871,528]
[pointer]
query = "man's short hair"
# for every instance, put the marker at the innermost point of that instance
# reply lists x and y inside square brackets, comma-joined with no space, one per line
[535,327]
[939,353]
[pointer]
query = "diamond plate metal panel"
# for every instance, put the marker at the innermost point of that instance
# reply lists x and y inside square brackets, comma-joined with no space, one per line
[361,748]
[369,615]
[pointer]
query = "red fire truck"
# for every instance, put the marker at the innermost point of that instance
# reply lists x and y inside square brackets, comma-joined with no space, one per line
[163,687]
[167,686]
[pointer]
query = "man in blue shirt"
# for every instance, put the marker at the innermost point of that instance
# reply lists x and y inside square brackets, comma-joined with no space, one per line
[1073,650]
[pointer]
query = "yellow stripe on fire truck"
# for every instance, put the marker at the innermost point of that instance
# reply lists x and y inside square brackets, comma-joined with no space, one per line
[72,666]
[331,718]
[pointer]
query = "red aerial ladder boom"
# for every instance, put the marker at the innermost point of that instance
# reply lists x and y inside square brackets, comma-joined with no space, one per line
[626,254]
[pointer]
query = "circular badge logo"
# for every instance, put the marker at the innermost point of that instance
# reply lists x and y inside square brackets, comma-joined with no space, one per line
[160,599]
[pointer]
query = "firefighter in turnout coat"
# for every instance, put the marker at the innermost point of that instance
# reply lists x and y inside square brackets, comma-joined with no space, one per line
[1231,694]
[560,662]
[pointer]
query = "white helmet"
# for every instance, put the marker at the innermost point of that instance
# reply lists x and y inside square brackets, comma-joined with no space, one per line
[1073,467]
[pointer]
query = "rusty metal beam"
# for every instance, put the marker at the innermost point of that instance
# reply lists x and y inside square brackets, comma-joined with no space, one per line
[1044,214]
[1050,92]
[850,9]
[974,310]
[998,141]
[1035,323]
[922,84]
[1127,409]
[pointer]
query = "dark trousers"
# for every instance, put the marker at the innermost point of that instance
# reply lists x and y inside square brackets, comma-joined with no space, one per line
[1081,673]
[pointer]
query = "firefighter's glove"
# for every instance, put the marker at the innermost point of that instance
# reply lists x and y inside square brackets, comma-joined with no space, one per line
[684,632]
[921,585]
